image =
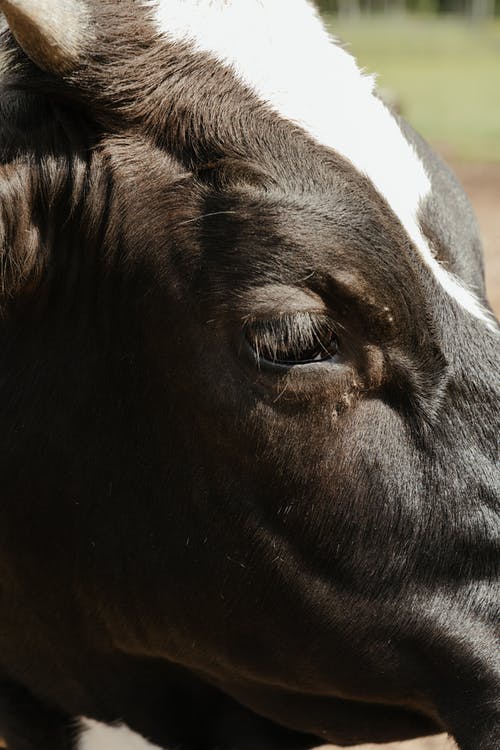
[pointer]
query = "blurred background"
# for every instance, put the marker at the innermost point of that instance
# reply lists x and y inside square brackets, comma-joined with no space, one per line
[438,64]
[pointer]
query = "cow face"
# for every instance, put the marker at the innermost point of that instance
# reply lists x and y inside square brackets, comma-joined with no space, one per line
[258,358]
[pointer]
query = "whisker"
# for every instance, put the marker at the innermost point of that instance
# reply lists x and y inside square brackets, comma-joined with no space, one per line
[205,216]
[281,393]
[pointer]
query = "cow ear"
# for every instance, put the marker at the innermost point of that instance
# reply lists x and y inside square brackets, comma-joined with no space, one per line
[53,33]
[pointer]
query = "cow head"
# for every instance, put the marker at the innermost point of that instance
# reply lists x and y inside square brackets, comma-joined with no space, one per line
[266,384]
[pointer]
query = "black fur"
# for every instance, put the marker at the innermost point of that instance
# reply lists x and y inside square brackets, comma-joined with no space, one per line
[217,554]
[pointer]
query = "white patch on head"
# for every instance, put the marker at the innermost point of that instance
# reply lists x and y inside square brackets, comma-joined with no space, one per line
[282,51]
[96,736]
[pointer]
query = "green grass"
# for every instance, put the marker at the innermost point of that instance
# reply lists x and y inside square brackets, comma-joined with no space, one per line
[444,71]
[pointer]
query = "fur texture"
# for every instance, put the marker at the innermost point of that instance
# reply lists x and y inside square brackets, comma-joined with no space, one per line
[206,545]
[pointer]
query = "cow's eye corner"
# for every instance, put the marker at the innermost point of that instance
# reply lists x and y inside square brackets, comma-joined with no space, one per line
[292,341]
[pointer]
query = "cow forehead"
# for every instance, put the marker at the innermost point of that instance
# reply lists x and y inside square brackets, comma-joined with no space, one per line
[293,66]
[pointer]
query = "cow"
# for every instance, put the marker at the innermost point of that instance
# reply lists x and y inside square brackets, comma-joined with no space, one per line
[248,393]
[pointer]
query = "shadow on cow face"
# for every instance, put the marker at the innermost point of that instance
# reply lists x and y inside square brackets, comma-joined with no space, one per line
[242,388]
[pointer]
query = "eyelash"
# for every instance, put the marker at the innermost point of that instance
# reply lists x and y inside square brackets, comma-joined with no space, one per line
[293,340]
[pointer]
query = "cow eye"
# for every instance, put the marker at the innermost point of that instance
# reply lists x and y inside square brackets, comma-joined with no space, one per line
[291,340]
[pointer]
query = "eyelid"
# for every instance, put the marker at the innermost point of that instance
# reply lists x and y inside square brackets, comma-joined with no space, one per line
[275,300]
[288,340]
[313,319]
[306,323]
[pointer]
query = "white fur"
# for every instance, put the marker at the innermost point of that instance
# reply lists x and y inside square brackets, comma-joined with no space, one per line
[281,50]
[96,736]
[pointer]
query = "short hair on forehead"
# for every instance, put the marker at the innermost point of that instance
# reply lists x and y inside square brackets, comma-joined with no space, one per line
[228,172]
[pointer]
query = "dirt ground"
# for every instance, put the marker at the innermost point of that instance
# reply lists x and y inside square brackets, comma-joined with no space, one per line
[482,184]
[442,742]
